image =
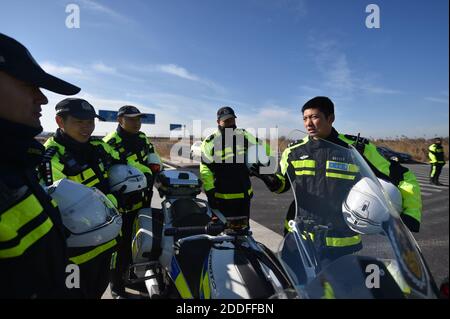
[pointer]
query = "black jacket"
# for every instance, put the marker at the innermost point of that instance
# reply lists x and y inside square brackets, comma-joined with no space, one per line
[313,184]
[223,165]
[33,253]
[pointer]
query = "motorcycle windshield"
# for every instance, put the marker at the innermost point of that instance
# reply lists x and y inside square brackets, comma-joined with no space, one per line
[347,239]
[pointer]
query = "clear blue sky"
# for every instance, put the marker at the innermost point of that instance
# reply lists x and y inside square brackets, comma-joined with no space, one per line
[182,59]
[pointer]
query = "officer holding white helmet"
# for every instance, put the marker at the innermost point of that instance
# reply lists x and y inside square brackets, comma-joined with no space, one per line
[365,208]
[131,144]
[74,154]
[33,252]
[89,217]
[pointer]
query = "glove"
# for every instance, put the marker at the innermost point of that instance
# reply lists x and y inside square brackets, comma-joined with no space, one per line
[120,200]
[254,169]
[410,222]
[149,190]
[212,201]
[271,180]
[150,180]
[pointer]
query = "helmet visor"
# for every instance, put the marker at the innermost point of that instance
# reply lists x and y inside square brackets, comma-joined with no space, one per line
[92,212]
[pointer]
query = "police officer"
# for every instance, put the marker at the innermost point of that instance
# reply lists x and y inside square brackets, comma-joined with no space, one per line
[304,163]
[225,176]
[33,252]
[74,154]
[132,145]
[437,160]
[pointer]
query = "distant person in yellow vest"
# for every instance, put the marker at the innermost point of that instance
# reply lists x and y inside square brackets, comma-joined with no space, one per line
[437,160]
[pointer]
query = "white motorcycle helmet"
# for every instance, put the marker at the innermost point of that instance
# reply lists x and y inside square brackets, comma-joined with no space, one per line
[87,213]
[126,179]
[394,194]
[154,163]
[365,208]
[256,156]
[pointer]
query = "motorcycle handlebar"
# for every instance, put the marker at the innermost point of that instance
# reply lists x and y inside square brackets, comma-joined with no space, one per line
[210,229]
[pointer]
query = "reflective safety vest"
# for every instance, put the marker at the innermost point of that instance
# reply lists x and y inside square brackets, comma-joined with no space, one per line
[317,170]
[436,154]
[22,223]
[33,251]
[137,158]
[223,165]
[64,165]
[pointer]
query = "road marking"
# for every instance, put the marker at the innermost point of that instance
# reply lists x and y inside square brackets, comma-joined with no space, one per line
[432,189]
[427,178]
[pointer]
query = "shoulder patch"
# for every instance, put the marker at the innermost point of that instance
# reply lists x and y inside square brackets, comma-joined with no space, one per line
[297,142]
[95,139]
[294,143]
[354,138]
[210,138]
[50,152]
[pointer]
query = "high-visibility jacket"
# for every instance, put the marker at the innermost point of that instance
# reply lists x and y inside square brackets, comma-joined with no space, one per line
[89,166]
[135,150]
[33,251]
[223,165]
[132,148]
[436,154]
[317,170]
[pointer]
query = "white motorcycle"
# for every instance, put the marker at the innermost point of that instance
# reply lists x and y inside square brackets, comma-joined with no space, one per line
[188,251]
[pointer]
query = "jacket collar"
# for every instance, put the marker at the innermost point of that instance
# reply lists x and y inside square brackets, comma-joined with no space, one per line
[70,144]
[21,148]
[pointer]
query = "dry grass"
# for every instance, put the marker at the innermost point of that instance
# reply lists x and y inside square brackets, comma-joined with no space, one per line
[163,145]
[417,147]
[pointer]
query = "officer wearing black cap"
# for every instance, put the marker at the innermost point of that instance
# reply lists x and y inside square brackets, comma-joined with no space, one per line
[72,153]
[132,145]
[225,176]
[33,252]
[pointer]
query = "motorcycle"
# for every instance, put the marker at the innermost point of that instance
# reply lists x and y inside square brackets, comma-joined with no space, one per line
[187,250]
[386,261]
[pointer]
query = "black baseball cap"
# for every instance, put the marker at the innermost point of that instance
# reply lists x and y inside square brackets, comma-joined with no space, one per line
[225,113]
[18,62]
[130,111]
[78,108]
